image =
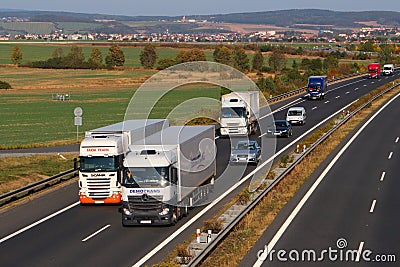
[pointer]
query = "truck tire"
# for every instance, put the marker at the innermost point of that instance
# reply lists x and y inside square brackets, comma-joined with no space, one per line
[174,217]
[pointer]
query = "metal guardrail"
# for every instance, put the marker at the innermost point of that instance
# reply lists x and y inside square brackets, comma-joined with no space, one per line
[203,254]
[34,187]
[299,90]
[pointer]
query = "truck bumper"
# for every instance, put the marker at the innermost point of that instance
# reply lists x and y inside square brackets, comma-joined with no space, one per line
[233,131]
[114,199]
[146,218]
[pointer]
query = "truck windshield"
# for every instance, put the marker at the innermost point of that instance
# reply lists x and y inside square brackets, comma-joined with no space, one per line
[146,177]
[232,112]
[94,164]
[314,87]
[294,113]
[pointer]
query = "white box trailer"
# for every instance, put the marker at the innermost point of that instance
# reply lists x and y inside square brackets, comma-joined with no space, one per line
[101,156]
[239,113]
[167,173]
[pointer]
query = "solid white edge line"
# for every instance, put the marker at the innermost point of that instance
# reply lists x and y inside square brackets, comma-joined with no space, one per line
[293,214]
[390,155]
[38,222]
[95,233]
[227,192]
[360,247]
[383,176]
[371,210]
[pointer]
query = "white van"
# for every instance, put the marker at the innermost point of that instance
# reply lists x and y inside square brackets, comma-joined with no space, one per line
[296,115]
[388,69]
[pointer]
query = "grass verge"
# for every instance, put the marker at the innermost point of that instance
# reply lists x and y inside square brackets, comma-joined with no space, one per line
[18,172]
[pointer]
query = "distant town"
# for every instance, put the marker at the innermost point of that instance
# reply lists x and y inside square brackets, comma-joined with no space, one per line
[379,34]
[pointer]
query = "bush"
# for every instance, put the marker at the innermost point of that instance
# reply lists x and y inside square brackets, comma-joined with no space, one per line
[214,225]
[4,85]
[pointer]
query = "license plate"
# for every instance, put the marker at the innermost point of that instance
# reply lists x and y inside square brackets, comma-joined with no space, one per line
[145,221]
[98,202]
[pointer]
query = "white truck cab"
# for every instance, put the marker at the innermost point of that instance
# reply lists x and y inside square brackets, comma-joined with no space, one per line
[388,69]
[296,115]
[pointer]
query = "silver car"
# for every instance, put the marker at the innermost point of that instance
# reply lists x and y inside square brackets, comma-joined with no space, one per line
[246,152]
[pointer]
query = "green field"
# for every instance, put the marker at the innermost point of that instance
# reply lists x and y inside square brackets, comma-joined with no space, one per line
[31,27]
[30,117]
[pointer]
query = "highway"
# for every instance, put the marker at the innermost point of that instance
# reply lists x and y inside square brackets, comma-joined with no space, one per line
[92,236]
[348,206]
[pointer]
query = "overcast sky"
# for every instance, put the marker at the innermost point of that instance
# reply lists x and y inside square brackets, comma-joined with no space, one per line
[190,7]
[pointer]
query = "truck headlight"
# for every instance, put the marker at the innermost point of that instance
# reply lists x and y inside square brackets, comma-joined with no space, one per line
[252,155]
[164,212]
[127,211]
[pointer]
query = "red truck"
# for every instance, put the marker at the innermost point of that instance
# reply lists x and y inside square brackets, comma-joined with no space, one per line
[374,70]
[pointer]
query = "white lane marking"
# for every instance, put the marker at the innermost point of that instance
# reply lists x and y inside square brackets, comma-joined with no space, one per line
[227,192]
[314,108]
[365,85]
[337,97]
[397,140]
[95,233]
[383,176]
[347,92]
[390,155]
[217,137]
[347,84]
[359,251]
[371,210]
[296,210]
[282,108]
[356,89]
[38,222]
[326,102]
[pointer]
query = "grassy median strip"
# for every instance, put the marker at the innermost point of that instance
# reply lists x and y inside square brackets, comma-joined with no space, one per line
[237,244]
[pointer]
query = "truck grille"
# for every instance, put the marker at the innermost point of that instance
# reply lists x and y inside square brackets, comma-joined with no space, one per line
[145,202]
[99,187]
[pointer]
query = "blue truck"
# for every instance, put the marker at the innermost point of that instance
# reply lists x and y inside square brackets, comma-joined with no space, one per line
[316,87]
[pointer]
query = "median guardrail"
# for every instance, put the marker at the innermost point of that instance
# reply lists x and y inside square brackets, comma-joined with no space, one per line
[34,187]
[201,255]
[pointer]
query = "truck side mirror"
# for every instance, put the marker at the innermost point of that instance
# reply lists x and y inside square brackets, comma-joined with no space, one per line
[174,176]
[76,166]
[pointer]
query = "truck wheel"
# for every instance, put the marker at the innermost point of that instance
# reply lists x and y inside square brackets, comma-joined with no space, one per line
[174,217]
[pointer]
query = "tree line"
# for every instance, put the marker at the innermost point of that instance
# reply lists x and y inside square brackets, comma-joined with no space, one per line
[74,59]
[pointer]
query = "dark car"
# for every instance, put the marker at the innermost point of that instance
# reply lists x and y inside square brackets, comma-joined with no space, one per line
[246,152]
[280,128]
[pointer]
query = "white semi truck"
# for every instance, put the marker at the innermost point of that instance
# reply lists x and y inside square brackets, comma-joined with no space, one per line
[239,113]
[101,157]
[167,173]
